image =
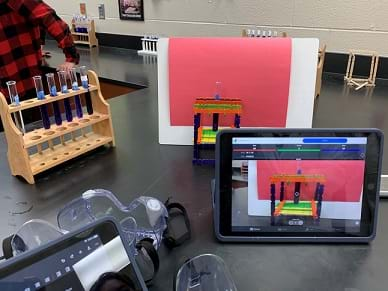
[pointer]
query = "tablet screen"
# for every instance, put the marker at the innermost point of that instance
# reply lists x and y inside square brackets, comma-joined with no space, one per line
[299,185]
[73,264]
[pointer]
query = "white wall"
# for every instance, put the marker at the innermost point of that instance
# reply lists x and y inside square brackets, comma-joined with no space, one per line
[341,25]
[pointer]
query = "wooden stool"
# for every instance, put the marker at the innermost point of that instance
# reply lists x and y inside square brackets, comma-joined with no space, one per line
[362,82]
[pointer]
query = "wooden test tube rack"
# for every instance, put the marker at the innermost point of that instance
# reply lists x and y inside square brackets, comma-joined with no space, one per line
[89,38]
[24,164]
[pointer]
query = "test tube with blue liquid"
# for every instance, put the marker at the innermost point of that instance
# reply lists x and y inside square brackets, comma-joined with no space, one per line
[85,85]
[53,93]
[14,97]
[74,86]
[63,83]
[217,94]
[41,96]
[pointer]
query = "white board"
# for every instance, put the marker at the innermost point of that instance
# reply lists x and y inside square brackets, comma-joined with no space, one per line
[304,62]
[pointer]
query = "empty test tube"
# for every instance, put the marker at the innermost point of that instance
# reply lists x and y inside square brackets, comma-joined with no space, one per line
[63,83]
[74,86]
[14,97]
[41,96]
[85,85]
[53,93]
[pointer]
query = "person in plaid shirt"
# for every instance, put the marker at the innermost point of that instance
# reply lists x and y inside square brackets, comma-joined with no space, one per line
[20,42]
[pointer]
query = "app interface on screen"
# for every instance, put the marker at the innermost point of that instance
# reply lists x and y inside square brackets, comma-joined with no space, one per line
[298,183]
[75,268]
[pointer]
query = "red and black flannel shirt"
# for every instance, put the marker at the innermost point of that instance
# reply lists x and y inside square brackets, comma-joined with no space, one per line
[20,53]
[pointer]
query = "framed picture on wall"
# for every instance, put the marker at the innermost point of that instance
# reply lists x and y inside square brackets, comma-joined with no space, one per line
[131,9]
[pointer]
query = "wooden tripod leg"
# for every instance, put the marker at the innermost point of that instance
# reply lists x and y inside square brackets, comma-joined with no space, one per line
[348,66]
[362,85]
[353,82]
[352,66]
[372,67]
[375,70]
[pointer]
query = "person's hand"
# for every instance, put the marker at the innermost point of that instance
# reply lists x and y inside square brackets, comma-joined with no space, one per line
[66,66]
[46,54]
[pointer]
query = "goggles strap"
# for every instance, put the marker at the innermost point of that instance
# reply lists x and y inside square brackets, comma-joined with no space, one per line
[176,211]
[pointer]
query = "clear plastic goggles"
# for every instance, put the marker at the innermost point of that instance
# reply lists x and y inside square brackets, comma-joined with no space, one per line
[204,273]
[33,234]
[144,217]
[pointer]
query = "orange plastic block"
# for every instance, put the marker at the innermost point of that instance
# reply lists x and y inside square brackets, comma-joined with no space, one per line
[314,209]
[279,208]
[297,178]
[218,106]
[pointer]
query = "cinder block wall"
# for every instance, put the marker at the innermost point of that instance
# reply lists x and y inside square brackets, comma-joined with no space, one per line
[341,25]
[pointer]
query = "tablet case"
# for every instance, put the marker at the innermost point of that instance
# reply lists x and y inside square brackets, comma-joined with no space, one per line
[215,186]
[33,252]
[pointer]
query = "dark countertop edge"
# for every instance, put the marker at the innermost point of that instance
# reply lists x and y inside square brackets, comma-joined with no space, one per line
[122,83]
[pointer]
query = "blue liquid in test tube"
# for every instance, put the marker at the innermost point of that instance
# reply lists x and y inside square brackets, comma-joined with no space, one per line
[40,95]
[66,102]
[217,94]
[77,99]
[78,106]
[68,113]
[53,93]
[85,85]
[16,100]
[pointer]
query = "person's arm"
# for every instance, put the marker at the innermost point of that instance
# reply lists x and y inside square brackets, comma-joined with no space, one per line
[43,15]
[42,36]
[43,42]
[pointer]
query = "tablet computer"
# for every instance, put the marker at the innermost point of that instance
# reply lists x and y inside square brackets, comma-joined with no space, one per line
[302,185]
[74,262]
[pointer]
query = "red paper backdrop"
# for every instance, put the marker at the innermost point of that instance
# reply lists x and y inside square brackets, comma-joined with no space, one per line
[256,70]
[344,179]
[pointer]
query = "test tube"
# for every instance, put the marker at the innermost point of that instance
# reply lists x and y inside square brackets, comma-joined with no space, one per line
[85,85]
[40,95]
[74,86]
[14,97]
[63,83]
[53,93]
[217,94]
